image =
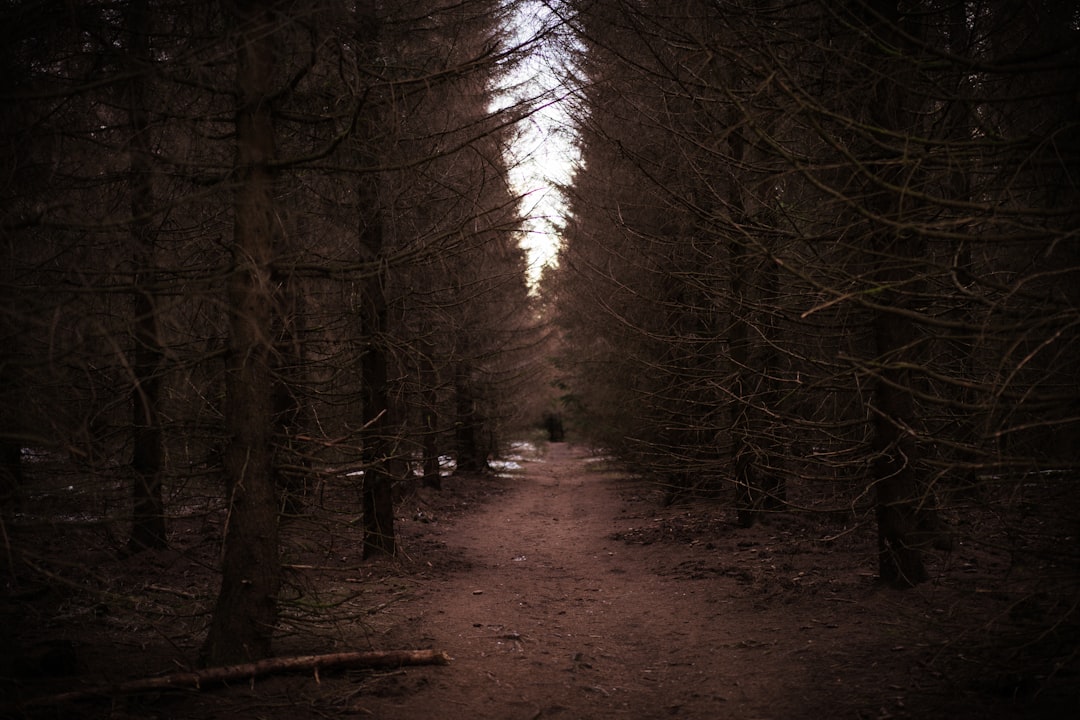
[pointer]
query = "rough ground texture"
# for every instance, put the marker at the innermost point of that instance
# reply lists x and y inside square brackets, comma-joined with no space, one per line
[563,590]
[577,597]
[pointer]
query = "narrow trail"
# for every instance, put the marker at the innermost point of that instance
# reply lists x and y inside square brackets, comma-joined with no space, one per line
[567,592]
[554,618]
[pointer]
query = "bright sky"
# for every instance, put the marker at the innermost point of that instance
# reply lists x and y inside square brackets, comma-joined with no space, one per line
[544,154]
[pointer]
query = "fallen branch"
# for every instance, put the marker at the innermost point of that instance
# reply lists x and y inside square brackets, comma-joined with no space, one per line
[249,671]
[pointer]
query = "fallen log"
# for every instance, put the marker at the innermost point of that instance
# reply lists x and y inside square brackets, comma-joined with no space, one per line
[196,679]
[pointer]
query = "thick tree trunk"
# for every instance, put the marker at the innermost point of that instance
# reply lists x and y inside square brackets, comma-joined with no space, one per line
[901,506]
[246,611]
[148,509]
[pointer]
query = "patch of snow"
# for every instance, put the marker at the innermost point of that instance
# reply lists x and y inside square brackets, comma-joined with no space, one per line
[600,458]
[36,455]
[447,465]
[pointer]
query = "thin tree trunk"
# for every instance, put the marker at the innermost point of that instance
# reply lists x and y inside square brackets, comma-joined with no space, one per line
[377,493]
[471,454]
[292,467]
[898,494]
[774,487]
[959,345]
[246,611]
[148,509]
[429,398]
[10,474]
[378,501]
[748,490]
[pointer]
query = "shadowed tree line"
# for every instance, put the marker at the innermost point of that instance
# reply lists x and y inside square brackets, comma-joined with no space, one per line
[253,253]
[823,257]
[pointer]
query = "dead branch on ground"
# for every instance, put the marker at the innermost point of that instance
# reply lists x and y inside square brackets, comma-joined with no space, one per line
[197,679]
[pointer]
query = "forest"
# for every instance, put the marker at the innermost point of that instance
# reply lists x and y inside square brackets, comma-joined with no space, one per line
[266,272]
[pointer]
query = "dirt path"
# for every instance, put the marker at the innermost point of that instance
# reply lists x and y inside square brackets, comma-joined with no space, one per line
[562,591]
[555,618]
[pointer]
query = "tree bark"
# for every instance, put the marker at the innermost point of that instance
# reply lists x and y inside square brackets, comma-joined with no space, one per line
[376,444]
[377,493]
[755,490]
[246,611]
[10,474]
[900,503]
[292,466]
[471,454]
[148,509]
[429,399]
[897,495]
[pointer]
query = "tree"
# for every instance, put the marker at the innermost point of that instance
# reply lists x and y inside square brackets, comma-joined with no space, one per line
[833,245]
[148,511]
[791,285]
[246,248]
[246,610]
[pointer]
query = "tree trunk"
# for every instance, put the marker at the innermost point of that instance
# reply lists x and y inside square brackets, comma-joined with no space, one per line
[749,491]
[429,398]
[896,256]
[377,447]
[377,493]
[897,496]
[378,501]
[774,487]
[10,474]
[246,611]
[471,454]
[148,510]
[749,495]
[292,466]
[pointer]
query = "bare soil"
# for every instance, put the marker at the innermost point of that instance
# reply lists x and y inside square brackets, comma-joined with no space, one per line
[578,596]
[564,590]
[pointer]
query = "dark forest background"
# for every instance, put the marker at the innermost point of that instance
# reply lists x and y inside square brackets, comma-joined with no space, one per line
[823,258]
[255,250]
[817,258]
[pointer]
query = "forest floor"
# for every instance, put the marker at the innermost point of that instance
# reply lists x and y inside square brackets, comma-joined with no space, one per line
[563,589]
